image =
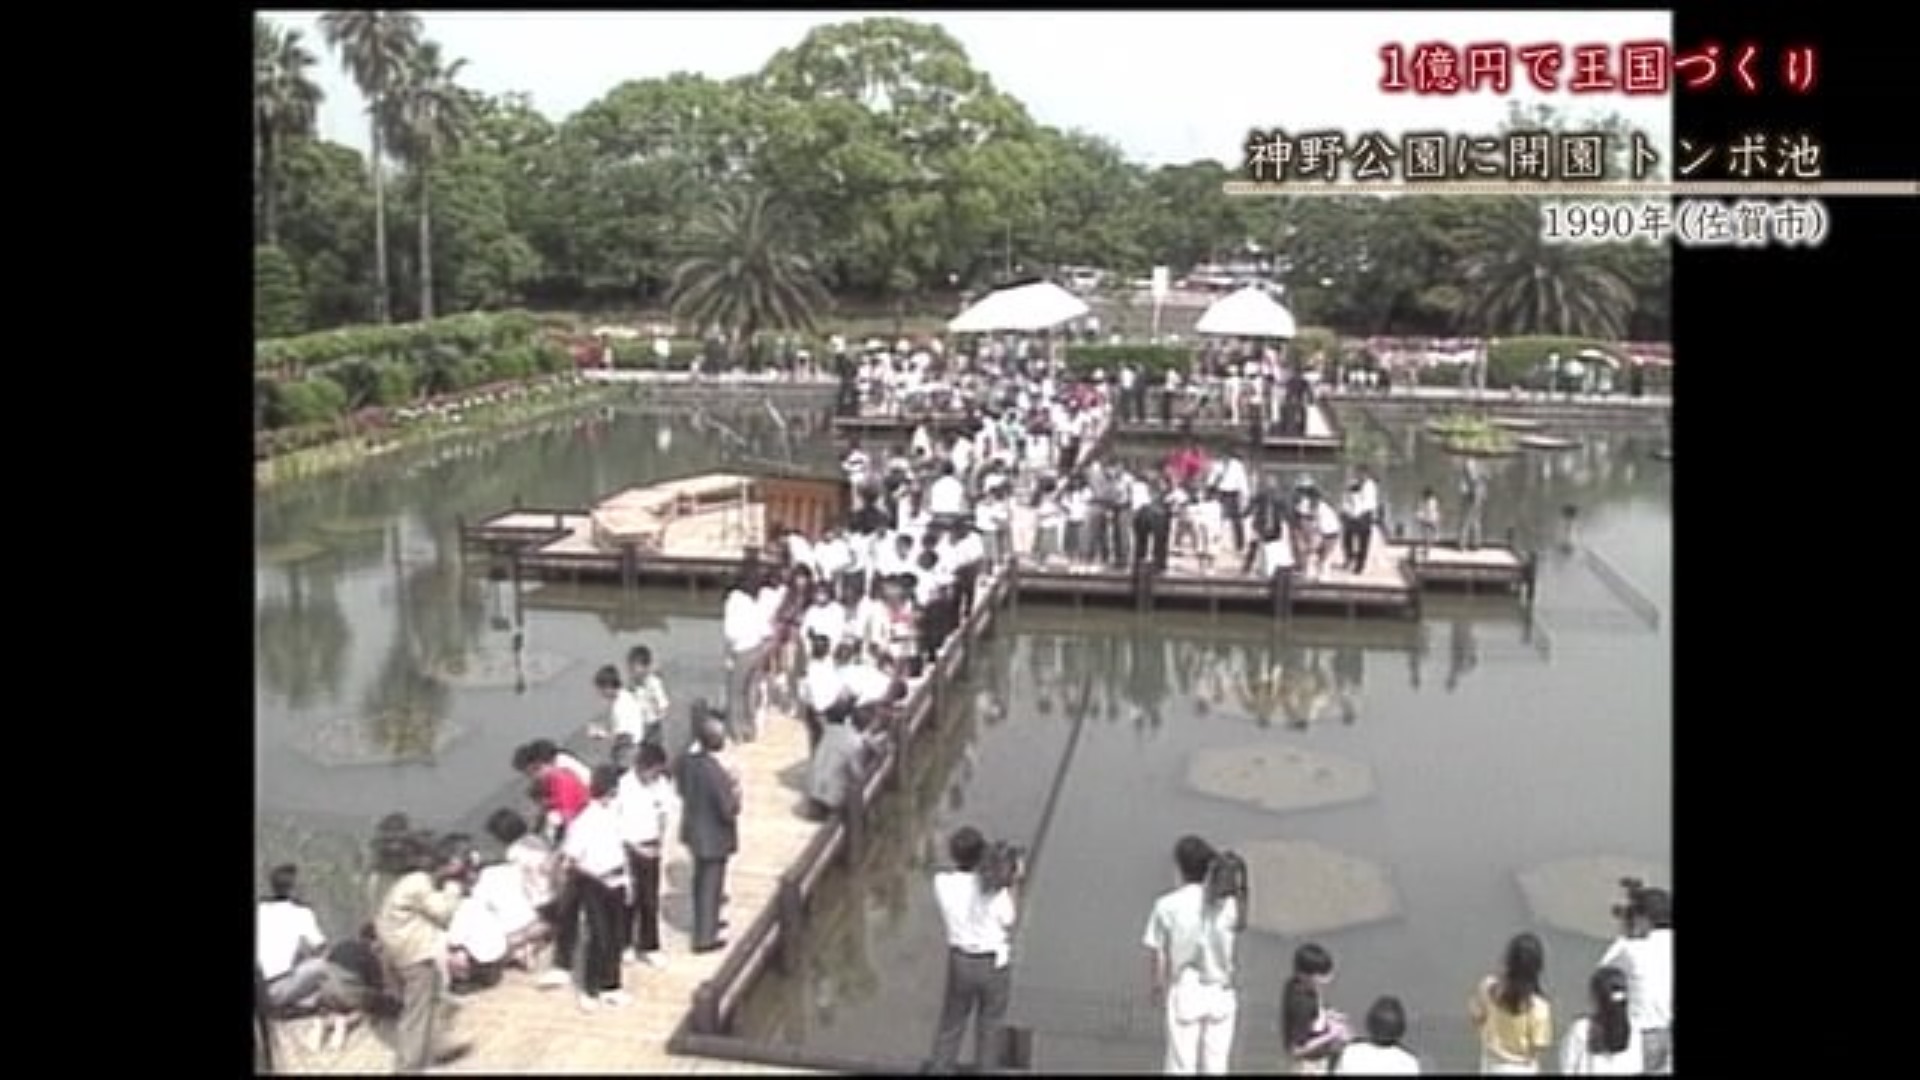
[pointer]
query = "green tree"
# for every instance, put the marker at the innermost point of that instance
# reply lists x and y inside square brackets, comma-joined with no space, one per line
[279,306]
[429,116]
[746,277]
[285,103]
[327,229]
[376,48]
[1517,283]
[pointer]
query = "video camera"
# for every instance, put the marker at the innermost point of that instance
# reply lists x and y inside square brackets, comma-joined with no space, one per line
[1002,866]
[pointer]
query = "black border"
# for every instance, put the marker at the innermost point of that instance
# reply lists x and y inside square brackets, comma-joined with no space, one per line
[1769,338]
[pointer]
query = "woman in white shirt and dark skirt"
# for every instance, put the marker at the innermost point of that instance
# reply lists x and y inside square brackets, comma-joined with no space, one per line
[597,862]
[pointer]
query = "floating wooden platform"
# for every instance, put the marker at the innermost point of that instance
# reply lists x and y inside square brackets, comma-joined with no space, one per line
[882,425]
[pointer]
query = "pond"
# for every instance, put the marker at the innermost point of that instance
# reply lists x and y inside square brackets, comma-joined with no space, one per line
[1491,741]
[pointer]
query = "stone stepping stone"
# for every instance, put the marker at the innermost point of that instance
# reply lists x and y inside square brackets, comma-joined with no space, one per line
[1301,888]
[1577,895]
[1279,778]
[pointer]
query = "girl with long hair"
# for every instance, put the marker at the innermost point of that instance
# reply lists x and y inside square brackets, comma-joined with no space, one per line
[1512,1013]
[1603,1042]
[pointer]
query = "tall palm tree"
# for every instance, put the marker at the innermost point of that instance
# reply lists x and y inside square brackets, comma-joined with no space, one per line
[745,277]
[375,47]
[429,115]
[1523,285]
[285,102]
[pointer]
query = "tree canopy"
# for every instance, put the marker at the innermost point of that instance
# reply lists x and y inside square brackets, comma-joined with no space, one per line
[871,161]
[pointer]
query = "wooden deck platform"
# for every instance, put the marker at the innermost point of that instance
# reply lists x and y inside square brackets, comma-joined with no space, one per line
[679,1017]
[889,425]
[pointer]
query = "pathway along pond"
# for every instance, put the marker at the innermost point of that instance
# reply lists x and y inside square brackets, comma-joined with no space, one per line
[1462,753]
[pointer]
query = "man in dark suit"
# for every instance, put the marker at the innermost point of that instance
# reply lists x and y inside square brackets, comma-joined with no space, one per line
[708,826]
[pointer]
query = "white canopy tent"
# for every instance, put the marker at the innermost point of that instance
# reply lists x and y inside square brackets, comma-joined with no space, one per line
[1030,308]
[1249,313]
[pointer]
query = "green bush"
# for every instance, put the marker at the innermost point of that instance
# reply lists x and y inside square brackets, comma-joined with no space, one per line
[466,334]
[1511,360]
[393,383]
[279,303]
[1153,359]
[313,400]
[637,354]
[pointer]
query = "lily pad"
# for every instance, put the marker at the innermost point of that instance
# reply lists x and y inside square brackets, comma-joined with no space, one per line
[1301,888]
[1279,778]
[1577,895]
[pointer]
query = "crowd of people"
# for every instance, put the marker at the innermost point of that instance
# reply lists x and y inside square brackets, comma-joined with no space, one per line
[836,629]
[1624,1024]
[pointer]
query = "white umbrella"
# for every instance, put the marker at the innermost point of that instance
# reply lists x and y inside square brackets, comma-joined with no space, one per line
[1250,313]
[1040,305]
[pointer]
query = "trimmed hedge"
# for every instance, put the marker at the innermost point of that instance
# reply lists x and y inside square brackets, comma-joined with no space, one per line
[467,334]
[331,390]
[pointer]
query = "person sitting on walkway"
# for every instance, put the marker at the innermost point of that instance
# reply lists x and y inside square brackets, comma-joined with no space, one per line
[290,947]
[532,864]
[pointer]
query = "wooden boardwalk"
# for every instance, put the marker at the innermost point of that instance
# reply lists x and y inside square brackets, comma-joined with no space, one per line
[517,1027]
[1322,440]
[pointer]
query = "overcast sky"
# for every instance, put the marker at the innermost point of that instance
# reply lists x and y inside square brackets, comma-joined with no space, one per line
[1168,87]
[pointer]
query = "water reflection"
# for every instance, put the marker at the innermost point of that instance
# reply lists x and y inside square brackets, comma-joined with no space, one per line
[302,637]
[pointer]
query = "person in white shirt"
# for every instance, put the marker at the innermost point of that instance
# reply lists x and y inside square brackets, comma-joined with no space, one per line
[626,720]
[596,861]
[1363,513]
[747,630]
[947,496]
[867,683]
[978,920]
[1191,939]
[1331,528]
[823,692]
[288,942]
[1276,552]
[650,691]
[531,862]
[1645,953]
[643,805]
[1234,488]
[832,557]
[826,619]
[1380,1054]
[1603,1042]
[857,465]
[965,555]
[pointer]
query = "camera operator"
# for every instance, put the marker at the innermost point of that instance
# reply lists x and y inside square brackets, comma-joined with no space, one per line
[976,901]
[1190,938]
[412,927]
[1644,951]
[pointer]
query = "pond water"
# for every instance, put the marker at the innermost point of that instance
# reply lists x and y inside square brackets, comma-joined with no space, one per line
[1496,741]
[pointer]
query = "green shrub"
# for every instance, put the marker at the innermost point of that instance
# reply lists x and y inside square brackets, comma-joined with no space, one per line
[1152,359]
[393,383]
[279,303]
[637,354]
[1511,360]
[465,334]
[313,400]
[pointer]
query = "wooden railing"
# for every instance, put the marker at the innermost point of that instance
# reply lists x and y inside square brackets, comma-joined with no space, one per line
[776,935]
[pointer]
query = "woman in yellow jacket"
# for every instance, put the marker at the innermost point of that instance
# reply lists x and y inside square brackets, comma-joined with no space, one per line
[1512,1013]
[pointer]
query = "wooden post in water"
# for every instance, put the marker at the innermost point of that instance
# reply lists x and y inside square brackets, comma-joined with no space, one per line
[629,566]
[792,912]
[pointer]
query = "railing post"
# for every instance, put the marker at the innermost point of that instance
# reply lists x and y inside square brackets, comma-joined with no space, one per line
[706,1009]
[629,566]
[853,813]
[1015,1050]
[792,912]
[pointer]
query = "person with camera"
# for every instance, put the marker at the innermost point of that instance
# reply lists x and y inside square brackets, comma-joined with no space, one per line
[411,925]
[1644,952]
[1191,939]
[978,909]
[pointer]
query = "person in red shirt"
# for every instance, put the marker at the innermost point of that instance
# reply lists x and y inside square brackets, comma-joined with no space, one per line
[562,795]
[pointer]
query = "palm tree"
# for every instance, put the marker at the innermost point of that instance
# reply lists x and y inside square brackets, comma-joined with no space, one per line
[429,115]
[375,47]
[1523,285]
[285,103]
[745,277]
